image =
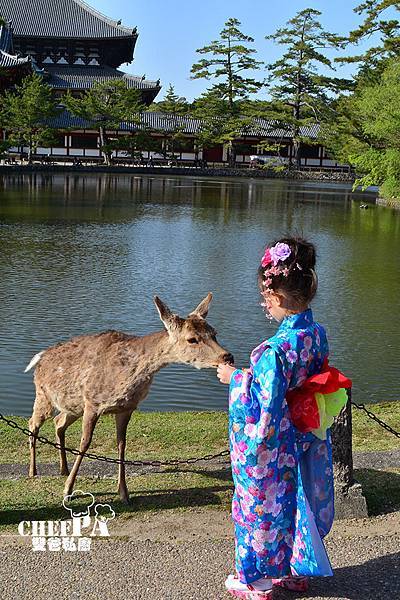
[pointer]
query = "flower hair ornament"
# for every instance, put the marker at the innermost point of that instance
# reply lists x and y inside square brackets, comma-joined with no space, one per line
[270,261]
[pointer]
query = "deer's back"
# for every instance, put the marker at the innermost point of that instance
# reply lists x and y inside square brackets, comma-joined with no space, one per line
[96,368]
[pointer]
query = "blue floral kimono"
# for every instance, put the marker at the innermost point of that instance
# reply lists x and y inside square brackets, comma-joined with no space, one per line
[283,500]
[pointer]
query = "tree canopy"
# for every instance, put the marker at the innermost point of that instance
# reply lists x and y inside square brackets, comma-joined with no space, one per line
[228,62]
[107,104]
[299,89]
[24,112]
[377,155]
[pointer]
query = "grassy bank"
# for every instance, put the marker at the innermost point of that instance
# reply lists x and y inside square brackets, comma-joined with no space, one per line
[168,435]
[390,202]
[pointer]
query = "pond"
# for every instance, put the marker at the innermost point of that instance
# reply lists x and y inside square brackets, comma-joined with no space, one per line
[85,253]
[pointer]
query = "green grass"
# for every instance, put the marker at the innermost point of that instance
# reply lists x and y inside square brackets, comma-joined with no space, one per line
[40,498]
[179,435]
[368,436]
[150,435]
[381,489]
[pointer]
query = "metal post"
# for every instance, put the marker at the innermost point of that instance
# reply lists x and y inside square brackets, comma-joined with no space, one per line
[349,499]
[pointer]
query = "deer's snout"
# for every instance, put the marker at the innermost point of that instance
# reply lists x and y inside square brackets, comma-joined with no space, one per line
[228,358]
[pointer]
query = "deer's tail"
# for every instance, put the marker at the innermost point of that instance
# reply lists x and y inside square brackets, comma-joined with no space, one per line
[34,361]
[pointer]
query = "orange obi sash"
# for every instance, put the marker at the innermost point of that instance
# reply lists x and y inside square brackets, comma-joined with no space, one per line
[314,406]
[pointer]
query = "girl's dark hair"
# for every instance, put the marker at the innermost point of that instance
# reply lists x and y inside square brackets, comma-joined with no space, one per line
[300,284]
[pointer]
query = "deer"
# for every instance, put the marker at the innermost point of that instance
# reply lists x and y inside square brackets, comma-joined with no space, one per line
[111,373]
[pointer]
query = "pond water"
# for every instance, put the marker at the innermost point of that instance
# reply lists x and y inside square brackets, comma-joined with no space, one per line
[86,253]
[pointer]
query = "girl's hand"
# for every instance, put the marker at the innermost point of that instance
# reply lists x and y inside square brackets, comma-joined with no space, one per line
[224,372]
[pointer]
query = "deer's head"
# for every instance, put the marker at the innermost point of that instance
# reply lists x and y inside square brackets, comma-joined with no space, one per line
[193,340]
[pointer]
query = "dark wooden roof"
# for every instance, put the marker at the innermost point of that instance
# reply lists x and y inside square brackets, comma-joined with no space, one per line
[61,19]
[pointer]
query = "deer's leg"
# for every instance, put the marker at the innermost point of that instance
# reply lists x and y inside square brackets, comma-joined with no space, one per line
[61,423]
[42,410]
[121,421]
[89,421]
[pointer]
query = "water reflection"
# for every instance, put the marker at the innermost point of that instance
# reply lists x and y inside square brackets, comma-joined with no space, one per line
[86,253]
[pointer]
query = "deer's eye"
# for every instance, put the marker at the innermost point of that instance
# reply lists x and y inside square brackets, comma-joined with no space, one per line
[193,341]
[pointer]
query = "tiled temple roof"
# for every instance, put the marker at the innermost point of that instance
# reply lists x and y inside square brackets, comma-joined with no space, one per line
[268,128]
[157,121]
[258,128]
[60,18]
[5,38]
[83,77]
[7,59]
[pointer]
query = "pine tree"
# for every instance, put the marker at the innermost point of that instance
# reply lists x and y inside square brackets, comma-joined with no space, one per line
[227,61]
[299,91]
[389,29]
[373,61]
[107,105]
[24,111]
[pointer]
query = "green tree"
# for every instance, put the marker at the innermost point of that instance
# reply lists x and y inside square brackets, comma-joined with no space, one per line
[172,103]
[228,61]
[107,105]
[343,134]
[173,107]
[348,137]
[301,94]
[378,111]
[135,143]
[24,112]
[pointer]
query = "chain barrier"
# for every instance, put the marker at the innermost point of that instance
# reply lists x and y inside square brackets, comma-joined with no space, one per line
[174,462]
[376,419]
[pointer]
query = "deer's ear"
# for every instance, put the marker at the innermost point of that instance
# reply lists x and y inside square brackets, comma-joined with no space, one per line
[166,316]
[202,309]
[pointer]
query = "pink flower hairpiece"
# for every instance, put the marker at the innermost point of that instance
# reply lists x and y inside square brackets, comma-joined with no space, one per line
[272,256]
[279,252]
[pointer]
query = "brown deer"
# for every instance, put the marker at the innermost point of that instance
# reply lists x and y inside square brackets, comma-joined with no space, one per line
[111,372]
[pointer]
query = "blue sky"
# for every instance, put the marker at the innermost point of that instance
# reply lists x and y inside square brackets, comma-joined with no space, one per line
[170,31]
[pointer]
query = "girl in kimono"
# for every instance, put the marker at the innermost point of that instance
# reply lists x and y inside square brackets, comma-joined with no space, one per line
[283,499]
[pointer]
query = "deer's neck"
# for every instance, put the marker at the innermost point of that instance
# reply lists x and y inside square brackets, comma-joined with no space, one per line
[151,353]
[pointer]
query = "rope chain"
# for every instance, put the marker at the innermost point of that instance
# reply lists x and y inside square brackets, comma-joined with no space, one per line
[162,463]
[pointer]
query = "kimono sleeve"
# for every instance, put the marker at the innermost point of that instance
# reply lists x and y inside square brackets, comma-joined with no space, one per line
[257,402]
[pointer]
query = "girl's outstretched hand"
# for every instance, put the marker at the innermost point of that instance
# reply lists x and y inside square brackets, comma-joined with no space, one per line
[224,372]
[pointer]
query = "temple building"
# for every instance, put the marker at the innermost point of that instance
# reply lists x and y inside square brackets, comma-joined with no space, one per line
[73,46]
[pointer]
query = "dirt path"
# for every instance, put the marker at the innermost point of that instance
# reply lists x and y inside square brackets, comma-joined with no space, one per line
[186,556]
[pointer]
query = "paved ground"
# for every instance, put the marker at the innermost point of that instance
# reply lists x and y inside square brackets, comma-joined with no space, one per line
[186,556]
[376,460]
